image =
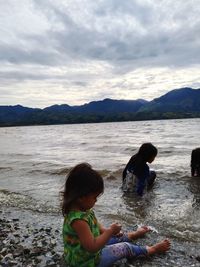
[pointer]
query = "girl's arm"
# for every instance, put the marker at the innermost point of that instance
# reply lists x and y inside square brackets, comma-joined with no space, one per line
[87,239]
[102,228]
[142,179]
[140,185]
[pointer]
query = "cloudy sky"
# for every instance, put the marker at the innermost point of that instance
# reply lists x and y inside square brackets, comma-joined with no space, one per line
[77,51]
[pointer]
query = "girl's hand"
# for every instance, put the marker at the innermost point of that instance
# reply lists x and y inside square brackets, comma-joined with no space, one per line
[119,234]
[115,228]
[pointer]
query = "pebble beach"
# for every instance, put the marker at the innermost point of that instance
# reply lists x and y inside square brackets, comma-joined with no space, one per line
[29,242]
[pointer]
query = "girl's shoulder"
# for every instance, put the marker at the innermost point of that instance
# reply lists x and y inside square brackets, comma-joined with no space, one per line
[75,214]
[78,215]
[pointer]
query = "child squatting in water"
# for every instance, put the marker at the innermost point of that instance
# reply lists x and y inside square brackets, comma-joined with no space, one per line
[136,175]
[86,242]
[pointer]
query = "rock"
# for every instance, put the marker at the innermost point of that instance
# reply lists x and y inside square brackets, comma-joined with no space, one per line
[15,220]
[13,263]
[48,230]
[36,251]
[9,256]
[3,252]
[26,251]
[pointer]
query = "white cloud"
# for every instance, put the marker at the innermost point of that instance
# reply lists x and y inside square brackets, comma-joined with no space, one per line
[82,50]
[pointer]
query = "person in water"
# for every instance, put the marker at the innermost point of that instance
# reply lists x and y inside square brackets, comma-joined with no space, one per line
[136,176]
[195,162]
[87,243]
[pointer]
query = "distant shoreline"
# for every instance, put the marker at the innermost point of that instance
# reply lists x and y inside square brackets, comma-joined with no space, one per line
[163,117]
[176,104]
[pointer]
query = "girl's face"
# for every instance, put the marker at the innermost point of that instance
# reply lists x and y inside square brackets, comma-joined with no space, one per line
[151,159]
[87,202]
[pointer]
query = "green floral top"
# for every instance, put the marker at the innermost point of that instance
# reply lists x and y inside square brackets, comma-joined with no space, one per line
[75,255]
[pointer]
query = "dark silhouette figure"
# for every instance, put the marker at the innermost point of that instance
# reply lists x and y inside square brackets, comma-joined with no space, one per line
[195,162]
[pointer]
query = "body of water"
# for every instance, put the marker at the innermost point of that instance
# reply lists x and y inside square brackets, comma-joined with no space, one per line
[35,160]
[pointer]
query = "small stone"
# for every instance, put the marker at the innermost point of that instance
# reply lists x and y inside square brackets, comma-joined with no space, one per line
[53,242]
[36,252]
[13,263]
[48,230]
[3,251]
[15,220]
[9,256]
[26,251]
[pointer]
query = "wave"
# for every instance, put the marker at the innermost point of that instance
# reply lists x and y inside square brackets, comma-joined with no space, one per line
[166,152]
[65,170]
[62,171]
[6,169]
[18,200]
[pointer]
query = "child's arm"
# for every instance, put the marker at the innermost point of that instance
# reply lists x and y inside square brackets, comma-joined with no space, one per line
[142,179]
[140,185]
[102,228]
[88,241]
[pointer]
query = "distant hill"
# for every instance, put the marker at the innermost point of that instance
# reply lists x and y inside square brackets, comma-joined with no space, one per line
[179,103]
[111,106]
[10,115]
[102,106]
[58,108]
[179,100]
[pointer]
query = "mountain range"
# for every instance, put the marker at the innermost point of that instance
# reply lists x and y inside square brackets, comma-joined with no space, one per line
[178,103]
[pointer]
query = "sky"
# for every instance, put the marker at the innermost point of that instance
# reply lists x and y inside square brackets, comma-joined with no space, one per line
[77,51]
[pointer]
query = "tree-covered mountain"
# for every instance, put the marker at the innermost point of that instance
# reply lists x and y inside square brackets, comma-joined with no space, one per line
[112,106]
[10,115]
[179,103]
[102,106]
[179,100]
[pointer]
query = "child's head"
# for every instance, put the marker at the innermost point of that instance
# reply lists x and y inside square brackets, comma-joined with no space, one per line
[147,152]
[81,181]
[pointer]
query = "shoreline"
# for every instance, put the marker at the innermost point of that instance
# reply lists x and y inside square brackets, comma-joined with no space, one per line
[34,239]
[30,239]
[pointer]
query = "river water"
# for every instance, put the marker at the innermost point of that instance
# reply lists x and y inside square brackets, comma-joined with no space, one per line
[35,160]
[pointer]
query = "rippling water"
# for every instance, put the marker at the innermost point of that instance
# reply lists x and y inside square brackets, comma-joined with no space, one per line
[35,160]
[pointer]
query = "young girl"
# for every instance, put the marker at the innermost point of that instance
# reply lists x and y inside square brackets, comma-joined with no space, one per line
[86,242]
[136,175]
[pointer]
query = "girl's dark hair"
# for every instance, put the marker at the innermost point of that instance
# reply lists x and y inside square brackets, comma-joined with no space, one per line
[145,153]
[81,181]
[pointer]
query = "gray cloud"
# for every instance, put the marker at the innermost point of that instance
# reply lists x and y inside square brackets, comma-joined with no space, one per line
[143,42]
[103,46]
